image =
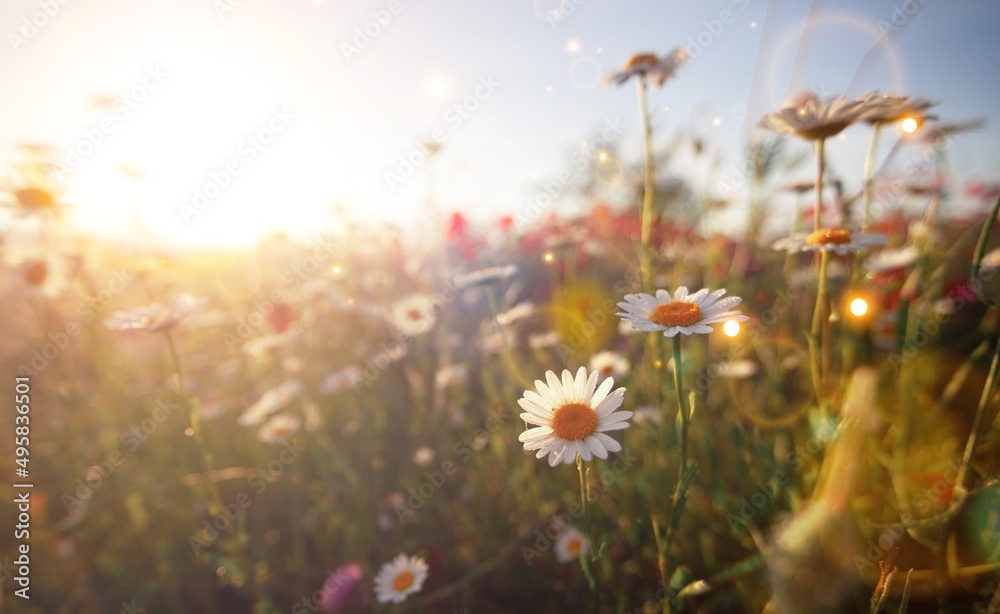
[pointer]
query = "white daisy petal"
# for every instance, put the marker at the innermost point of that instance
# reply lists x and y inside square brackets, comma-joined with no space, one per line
[608,442]
[596,447]
[610,403]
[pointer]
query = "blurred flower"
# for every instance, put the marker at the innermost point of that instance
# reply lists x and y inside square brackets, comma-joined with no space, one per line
[647,65]
[33,199]
[938,132]
[625,328]
[808,117]
[483,276]
[517,312]
[683,313]
[572,417]
[736,369]
[341,380]
[451,375]
[424,456]
[256,347]
[270,402]
[646,415]
[155,317]
[279,428]
[41,276]
[496,341]
[539,341]
[400,578]
[837,240]
[608,364]
[281,316]
[889,108]
[888,260]
[339,586]
[571,545]
[415,315]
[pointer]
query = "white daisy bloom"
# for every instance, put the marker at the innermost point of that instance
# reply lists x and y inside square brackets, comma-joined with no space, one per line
[837,240]
[610,364]
[573,416]
[571,545]
[415,315]
[270,402]
[279,429]
[155,317]
[683,313]
[400,578]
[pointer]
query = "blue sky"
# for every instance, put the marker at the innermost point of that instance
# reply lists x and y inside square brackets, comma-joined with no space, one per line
[336,120]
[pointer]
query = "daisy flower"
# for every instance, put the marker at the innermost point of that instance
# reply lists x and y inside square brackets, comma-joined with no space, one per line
[571,545]
[889,108]
[270,402]
[155,317]
[889,260]
[736,369]
[540,341]
[279,429]
[808,117]
[837,240]
[400,578]
[683,313]
[573,416]
[484,276]
[608,364]
[414,315]
[648,65]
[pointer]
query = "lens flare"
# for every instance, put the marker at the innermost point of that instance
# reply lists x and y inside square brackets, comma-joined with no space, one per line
[859,307]
[731,328]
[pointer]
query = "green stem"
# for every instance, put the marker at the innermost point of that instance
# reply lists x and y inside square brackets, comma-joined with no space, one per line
[591,575]
[816,331]
[648,188]
[818,208]
[970,447]
[977,259]
[679,391]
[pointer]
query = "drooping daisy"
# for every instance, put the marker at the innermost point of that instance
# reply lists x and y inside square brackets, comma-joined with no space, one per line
[806,116]
[415,315]
[270,402]
[648,65]
[837,240]
[400,578]
[609,364]
[155,317]
[279,429]
[573,416]
[571,545]
[683,313]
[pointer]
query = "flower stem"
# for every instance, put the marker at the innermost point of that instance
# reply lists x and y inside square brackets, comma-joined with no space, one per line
[869,178]
[591,575]
[984,401]
[679,391]
[817,329]
[648,188]
[818,207]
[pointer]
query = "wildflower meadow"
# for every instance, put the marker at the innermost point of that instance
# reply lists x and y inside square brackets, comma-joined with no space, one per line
[763,387]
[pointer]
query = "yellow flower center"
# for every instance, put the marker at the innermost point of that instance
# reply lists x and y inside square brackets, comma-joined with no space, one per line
[402,581]
[829,236]
[574,545]
[35,273]
[415,315]
[607,369]
[574,421]
[676,313]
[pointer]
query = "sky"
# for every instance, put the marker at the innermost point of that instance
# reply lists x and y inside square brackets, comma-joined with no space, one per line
[218,122]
